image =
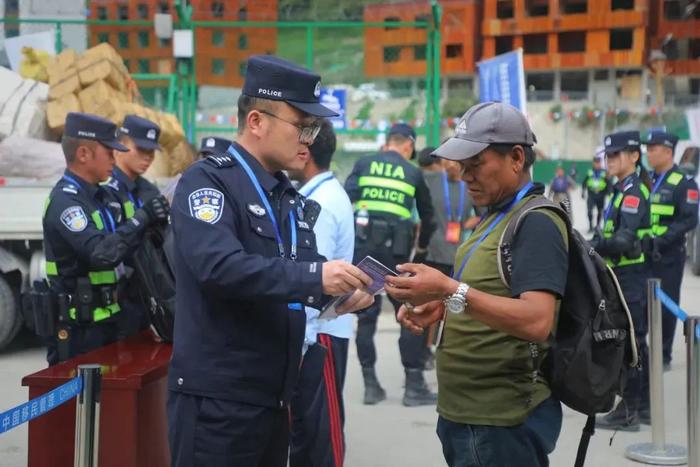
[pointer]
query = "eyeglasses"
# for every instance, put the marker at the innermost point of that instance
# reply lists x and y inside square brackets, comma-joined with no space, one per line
[307,133]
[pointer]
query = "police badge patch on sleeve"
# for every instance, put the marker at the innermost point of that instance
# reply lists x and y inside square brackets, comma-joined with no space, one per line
[206,204]
[74,219]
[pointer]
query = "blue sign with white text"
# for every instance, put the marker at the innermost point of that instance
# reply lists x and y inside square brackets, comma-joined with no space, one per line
[336,100]
[502,79]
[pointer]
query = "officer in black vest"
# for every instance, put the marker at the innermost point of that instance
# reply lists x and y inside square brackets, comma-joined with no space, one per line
[595,188]
[384,188]
[674,213]
[213,145]
[246,265]
[84,245]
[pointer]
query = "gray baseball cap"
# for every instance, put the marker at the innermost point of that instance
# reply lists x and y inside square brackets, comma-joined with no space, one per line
[484,124]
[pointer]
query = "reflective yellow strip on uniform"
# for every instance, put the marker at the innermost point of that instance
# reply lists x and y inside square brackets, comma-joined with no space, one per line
[674,179]
[99,314]
[129,210]
[46,206]
[97,219]
[662,209]
[626,261]
[644,190]
[383,206]
[659,230]
[102,277]
[51,268]
[381,182]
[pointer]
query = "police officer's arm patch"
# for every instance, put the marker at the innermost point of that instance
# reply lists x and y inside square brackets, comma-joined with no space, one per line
[206,205]
[692,196]
[74,219]
[630,204]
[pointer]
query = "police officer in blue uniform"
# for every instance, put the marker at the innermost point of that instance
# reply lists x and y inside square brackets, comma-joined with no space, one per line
[246,265]
[213,145]
[626,223]
[674,213]
[84,245]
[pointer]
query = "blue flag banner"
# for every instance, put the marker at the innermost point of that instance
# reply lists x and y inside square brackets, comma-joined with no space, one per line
[336,99]
[502,79]
[674,308]
[41,405]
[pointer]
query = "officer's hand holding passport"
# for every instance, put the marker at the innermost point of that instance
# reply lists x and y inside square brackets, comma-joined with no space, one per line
[341,278]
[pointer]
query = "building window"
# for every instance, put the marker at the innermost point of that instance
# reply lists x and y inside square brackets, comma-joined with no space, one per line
[103,37]
[535,44]
[601,75]
[504,44]
[572,42]
[391,19]
[392,54]
[454,51]
[419,52]
[573,7]
[164,7]
[243,42]
[574,84]
[123,12]
[123,40]
[144,66]
[143,11]
[673,9]
[540,86]
[242,68]
[101,13]
[621,39]
[537,7]
[127,64]
[218,67]
[144,39]
[217,38]
[164,43]
[694,86]
[622,5]
[243,14]
[504,9]
[693,49]
[217,9]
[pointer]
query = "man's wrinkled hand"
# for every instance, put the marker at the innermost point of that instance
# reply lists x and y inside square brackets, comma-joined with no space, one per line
[421,317]
[423,285]
[340,278]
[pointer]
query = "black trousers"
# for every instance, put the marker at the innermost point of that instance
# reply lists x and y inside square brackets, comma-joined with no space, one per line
[207,432]
[596,202]
[82,339]
[670,271]
[318,414]
[411,347]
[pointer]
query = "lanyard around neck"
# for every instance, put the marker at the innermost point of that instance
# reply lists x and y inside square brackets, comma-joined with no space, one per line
[268,207]
[521,194]
[448,203]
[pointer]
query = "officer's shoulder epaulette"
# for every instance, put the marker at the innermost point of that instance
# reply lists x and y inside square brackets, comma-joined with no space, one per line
[220,160]
[67,187]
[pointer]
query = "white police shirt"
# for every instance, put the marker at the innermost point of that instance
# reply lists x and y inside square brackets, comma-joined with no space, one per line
[335,239]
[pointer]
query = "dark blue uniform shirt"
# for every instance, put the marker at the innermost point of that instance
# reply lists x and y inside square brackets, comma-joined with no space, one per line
[236,337]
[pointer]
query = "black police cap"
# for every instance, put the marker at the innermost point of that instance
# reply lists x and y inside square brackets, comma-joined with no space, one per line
[663,138]
[91,127]
[214,145]
[270,77]
[616,142]
[403,129]
[143,132]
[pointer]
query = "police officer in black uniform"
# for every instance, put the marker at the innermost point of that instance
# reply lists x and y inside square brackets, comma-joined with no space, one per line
[83,243]
[594,189]
[213,145]
[246,265]
[383,189]
[626,223]
[674,212]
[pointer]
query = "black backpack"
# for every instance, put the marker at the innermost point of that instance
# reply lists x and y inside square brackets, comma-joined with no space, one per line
[153,263]
[594,342]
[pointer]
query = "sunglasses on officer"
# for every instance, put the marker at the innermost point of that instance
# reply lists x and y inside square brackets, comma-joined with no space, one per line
[307,133]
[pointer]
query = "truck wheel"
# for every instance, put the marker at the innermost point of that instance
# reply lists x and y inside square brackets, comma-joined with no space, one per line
[9,315]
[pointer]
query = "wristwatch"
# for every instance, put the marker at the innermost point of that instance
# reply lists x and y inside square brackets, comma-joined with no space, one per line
[457,302]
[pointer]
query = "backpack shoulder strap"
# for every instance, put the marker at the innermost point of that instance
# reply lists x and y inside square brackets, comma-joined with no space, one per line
[505,244]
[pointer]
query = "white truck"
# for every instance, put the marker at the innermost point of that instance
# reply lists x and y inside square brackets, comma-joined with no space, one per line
[21,252]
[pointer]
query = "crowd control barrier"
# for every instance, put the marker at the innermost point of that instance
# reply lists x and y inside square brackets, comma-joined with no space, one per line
[658,451]
[86,389]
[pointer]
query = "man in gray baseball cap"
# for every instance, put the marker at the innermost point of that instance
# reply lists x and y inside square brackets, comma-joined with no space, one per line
[485,337]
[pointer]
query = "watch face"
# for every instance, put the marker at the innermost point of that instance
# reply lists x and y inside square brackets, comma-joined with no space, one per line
[454,305]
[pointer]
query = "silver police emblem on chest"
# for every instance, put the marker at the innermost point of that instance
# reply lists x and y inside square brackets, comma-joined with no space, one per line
[257,210]
[206,204]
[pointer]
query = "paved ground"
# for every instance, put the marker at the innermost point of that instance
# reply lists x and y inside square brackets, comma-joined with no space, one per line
[388,434]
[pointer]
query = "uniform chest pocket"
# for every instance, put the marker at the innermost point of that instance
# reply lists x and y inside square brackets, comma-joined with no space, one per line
[306,239]
[262,226]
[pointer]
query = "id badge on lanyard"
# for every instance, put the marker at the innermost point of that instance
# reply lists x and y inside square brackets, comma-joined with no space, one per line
[453,230]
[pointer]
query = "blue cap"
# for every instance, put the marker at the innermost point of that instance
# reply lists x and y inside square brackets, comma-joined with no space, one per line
[214,145]
[94,128]
[143,132]
[403,129]
[270,77]
[616,142]
[663,138]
